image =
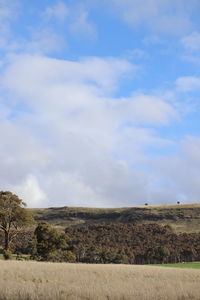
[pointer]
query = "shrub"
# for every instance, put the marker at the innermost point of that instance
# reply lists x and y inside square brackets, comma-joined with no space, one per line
[60,256]
[7,254]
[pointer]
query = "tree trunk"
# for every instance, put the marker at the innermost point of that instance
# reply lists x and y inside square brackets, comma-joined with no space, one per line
[6,240]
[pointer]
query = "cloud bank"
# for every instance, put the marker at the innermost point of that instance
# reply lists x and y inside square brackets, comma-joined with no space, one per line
[72,141]
[82,129]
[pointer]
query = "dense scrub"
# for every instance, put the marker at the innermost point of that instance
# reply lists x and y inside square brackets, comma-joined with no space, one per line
[133,244]
[110,243]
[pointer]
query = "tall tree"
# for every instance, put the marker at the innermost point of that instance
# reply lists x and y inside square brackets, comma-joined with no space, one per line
[13,216]
[49,240]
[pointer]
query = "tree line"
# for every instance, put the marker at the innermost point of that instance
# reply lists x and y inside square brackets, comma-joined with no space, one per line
[125,243]
[132,243]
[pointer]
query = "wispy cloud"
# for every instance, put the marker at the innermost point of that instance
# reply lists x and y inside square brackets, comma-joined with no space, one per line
[161,16]
[59,12]
[191,42]
[82,26]
[8,13]
[188,83]
[191,46]
[44,41]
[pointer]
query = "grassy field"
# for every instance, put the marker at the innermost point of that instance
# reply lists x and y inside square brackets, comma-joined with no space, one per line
[194,265]
[182,217]
[46,281]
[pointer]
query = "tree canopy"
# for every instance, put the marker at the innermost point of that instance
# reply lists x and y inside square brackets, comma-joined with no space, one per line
[13,216]
[50,242]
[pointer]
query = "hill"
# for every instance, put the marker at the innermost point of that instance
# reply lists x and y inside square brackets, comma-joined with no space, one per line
[182,217]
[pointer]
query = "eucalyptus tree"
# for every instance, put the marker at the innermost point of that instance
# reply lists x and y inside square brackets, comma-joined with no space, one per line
[14,216]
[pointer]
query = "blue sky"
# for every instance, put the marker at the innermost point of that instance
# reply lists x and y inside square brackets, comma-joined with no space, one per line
[99,101]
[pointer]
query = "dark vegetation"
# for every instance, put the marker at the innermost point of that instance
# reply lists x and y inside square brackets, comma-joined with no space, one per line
[140,235]
[129,243]
[110,243]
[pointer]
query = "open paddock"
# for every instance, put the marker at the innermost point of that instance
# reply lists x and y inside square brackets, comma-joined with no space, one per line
[36,280]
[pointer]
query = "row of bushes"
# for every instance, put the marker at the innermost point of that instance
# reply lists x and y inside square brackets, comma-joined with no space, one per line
[108,243]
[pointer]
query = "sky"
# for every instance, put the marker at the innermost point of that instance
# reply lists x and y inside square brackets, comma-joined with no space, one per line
[99,102]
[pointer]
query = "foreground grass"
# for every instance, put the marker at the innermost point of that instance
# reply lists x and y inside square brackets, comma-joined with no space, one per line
[195,265]
[33,280]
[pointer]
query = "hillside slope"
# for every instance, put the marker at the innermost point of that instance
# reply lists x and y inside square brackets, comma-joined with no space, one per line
[183,218]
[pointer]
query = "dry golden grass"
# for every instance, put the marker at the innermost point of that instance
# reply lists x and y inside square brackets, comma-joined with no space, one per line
[33,280]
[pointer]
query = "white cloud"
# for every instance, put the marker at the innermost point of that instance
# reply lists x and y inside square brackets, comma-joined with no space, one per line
[136,54]
[95,73]
[188,83]
[75,18]
[44,41]
[67,139]
[152,39]
[191,46]
[147,109]
[182,171]
[191,42]
[75,136]
[81,25]
[98,186]
[21,152]
[59,11]
[165,16]
[8,13]
[30,191]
